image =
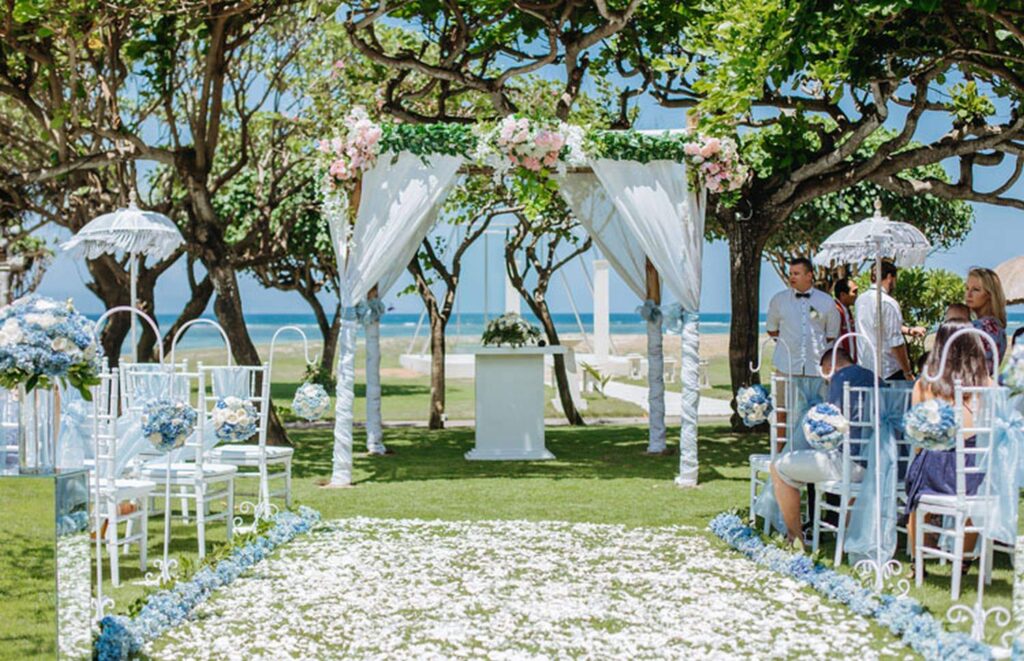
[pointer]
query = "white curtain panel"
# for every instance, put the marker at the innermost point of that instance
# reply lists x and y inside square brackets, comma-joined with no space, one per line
[590,204]
[395,213]
[374,415]
[666,219]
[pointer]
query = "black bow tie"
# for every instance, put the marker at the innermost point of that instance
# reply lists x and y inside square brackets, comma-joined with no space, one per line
[804,295]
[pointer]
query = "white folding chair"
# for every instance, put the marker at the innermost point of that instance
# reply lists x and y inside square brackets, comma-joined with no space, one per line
[760,464]
[958,513]
[111,489]
[196,479]
[858,408]
[255,459]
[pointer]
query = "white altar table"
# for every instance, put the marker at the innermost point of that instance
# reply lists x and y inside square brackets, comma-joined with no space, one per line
[510,403]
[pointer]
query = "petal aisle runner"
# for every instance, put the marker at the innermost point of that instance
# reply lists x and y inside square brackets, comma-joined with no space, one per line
[512,589]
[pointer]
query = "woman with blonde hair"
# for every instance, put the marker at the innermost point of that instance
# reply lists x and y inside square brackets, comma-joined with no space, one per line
[985,298]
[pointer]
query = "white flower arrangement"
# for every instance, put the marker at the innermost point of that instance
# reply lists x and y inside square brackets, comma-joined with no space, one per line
[931,425]
[825,426]
[43,342]
[234,419]
[1013,372]
[166,423]
[310,401]
[753,405]
[510,330]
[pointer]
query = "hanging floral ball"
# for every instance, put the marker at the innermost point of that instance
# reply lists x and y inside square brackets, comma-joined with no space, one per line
[931,425]
[753,405]
[234,419]
[166,423]
[311,401]
[825,426]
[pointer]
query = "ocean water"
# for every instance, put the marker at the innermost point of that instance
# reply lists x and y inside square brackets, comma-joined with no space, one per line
[403,325]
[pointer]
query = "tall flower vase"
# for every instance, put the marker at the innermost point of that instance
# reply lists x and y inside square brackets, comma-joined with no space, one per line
[38,427]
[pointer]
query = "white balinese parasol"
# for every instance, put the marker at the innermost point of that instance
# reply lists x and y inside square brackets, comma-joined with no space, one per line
[875,239]
[1011,275]
[134,231]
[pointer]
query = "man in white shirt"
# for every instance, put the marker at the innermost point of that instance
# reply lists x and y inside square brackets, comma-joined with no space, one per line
[895,359]
[804,319]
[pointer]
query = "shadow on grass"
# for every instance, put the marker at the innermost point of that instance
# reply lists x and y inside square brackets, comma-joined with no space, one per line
[583,452]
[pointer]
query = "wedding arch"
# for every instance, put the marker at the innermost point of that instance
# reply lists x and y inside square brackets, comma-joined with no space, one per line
[640,195]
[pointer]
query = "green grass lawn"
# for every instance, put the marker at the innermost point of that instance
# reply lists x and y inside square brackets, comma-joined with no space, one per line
[601,475]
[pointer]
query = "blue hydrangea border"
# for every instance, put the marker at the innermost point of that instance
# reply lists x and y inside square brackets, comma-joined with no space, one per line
[903,616]
[123,637]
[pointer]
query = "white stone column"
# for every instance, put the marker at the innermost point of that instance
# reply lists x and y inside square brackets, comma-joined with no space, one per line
[602,330]
[512,298]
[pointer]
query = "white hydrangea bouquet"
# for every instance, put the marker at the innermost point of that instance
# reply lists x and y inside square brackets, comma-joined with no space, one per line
[510,330]
[167,423]
[1013,372]
[311,401]
[931,425]
[43,341]
[753,405]
[234,419]
[825,426]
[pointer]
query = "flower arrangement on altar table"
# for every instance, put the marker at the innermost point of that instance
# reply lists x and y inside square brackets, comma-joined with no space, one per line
[510,330]
[124,637]
[903,616]
[310,401]
[824,426]
[234,419]
[43,341]
[753,404]
[931,425]
[354,151]
[166,423]
[1013,372]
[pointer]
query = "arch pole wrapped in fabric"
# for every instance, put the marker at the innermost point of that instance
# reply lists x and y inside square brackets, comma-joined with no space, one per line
[393,216]
[596,212]
[666,218]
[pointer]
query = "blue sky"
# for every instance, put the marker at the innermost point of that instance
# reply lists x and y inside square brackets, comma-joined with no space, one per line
[998,235]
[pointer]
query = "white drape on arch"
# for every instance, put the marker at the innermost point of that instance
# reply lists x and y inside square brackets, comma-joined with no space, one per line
[597,213]
[666,218]
[397,198]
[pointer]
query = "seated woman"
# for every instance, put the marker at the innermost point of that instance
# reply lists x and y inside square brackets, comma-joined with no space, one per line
[794,470]
[934,472]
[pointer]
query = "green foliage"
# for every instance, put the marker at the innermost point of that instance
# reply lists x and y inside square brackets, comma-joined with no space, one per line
[321,374]
[923,295]
[970,106]
[635,146]
[600,380]
[426,139]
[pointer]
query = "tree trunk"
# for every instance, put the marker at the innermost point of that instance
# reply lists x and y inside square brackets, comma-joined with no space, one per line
[540,308]
[330,350]
[201,295]
[110,285]
[745,250]
[228,308]
[438,351]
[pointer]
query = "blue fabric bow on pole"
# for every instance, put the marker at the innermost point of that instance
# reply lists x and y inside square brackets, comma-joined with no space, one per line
[1003,482]
[676,318]
[650,311]
[804,392]
[861,542]
[370,311]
